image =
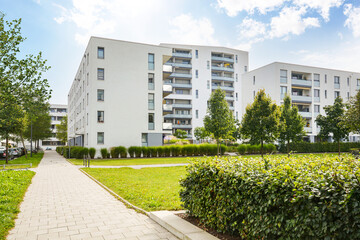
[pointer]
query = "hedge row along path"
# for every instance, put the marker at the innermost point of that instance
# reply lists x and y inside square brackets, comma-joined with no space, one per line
[63,203]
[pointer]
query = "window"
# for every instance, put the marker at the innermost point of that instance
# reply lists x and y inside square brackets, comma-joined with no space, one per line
[197,113]
[151,121]
[151,104]
[100,137]
[325,94]
[144,137]
[325,78]
[316,93]
[87,99]
[254,93]
[237,115]
[208,84]
[337,94]
[236,94]
[348,81]
[208,65]
[151,85]
[253,80]
[236,58]
[197,73]
[197,93]
[100,116]
[245,68]
[87,118]
[101,53]
[87,79]
[358,82]
[100,74]
[236,77]
[348,95]
[283,76]
[337,80]
[317,108]
[317,80]
[196,53]
[100,94]
[151,61]
[53,118]
[87,59]
[283,91]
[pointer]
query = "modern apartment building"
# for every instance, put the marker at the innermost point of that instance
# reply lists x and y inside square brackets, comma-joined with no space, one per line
[310,89]
[57,113]
[135,94]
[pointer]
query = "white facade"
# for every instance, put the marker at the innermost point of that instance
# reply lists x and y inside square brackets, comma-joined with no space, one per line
[57,113]
[310,88]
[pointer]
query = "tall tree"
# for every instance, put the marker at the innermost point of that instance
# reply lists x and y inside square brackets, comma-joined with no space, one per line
[219,121]
[260,122]
[61,130]
[352,115]
[333,123]
[291,124]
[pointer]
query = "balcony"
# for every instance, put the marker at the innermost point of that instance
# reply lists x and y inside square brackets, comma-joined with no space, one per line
[167,90]
[306,114]
[214,87]
[181,85]
[358,87]
[226,69]
[180,116]
[302,99]
[179,96]
[167,107]
[184,106]
[180,75]
[337,85]
[167,126]
[222,59]
[308,129]
[179,65]
[221,78]
[231,108]
[185,126]
[181,55]
[316,83]
[301,83]
[229,98]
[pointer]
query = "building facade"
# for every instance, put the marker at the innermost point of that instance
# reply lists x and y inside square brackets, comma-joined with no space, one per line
[57,113]
[310,89]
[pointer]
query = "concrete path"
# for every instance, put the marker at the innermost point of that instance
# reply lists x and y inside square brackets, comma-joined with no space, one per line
[63,203]
[139,166]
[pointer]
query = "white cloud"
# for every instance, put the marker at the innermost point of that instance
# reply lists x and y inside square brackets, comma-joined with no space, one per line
[322,6]
[189,30]
[290,21]
[353,20]
[233,7]
[250,28]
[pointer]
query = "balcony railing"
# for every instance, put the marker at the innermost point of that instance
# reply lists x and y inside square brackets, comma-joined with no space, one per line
[230,79]
[301,83]
[181,85]
[306,114]
[179,65]
[217,68]
[181,116]
[167,107]
[223,59]
[229,98]
[308,129]
[316,83]
[151,126]
[337,85]
[183,126]
[316,99]
[181,55]
[167,126]
[186,106]
[296,98]
[222,88]
[180,75]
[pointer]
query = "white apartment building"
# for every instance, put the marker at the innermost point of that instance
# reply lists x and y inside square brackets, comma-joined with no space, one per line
[134,94]
[57,113]
[310,89]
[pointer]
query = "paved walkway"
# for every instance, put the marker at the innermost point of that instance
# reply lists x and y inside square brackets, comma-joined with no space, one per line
[63,203]
[139,166]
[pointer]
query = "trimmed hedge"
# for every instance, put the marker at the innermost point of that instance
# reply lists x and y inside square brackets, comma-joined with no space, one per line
[104,152]
[309,197]
[305,147]
[255,149]
[92,152]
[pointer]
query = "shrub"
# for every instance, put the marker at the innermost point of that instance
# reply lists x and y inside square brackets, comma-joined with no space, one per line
[242,149]
[153,151]
[269,148]
[167,151]
[309,197]
[306,147]
[113,153]
[104,152]
[145,151]
[131,151]
[137,152]
[175,150]
[85,152]
[253,149]
[203,149]
[122,151]
[196,150]
[92,152]
[160,151]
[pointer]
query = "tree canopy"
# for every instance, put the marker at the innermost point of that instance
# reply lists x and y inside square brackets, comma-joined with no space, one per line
[352,115]
[61,130]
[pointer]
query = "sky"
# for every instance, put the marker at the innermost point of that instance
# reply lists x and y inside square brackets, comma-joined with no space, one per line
[322,33]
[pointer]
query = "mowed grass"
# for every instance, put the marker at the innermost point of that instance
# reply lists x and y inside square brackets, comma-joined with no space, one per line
[148,188]
[132,161]
[13,185]
[34,160]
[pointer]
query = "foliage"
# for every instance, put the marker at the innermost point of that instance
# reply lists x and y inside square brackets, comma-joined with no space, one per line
[305,147]
[92,152]
[291,124]
[352,115]
[34,160]
[201,134]
[104,152]
[133,161]
[261,123]
[145,152]
[333,122]
[61,130]
[13,185]
[180,134]
[40,124]
[153,151]
[148,188]
[308,197]
[122,151]
[219,121]
[255,149]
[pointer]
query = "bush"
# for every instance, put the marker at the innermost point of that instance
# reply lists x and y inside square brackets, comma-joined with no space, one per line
[104,152]
[122,151]
[137,152]
[145,151]
[167,151]
[85,152]
[308,197]
[92,152]
[242,149]
[175,150]
[113,152]
[269,148]
[306,147]
[131,151]
[253,149]
[153,151]
[160,151]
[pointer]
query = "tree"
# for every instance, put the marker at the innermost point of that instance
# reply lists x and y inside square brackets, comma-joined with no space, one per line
[180,134]
[61,132]
[219,121]
[260,122]
[200,133]
[332,122]
[352,115]
[291,124]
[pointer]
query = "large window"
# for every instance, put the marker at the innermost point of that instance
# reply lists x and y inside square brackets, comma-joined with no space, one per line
[197,93]
[100,137]
[197,113]
[337,80]
[151,84]
[337,94]
[283,91]
[196,53]
[325,93]
[100,94]
[100,74]
[197,73]
[317,80]
[316,93]
[151,61]
[151,104]
[317,108]
[151,121]
[358,82]
[100,116]
[101,53]
[283,76]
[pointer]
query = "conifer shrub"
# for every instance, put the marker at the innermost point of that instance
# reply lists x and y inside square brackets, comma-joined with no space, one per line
[92,152]
[104,153]
[122,151]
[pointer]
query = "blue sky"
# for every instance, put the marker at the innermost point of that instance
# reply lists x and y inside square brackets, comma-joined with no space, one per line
[323,33]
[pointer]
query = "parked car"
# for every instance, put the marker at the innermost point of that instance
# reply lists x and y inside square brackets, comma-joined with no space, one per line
[21,150]
[48,148]
[14,152]
[3,154]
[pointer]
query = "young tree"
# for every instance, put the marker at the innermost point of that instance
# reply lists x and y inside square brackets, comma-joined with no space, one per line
[332,122]
[291,124]
[200,133]
[261,122]
[61,132]
[180,134]
[41,126]
[352,115]
[219,121]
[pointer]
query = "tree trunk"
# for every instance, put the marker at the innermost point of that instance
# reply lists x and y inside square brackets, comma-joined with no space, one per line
[23,143]
[261,149]
[7,149]
[218,147]
[288,148]
[339,147]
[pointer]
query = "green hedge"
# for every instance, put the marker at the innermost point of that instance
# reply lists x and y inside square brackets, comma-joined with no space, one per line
[305,147]
[75,152]
[309,197]
[255,149]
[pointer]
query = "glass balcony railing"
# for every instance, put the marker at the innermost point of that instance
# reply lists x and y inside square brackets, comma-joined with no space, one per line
[181,116]
[223,59]
[181,85]
[337,85]
[316,99]
[183,126]
[358,87]
[167,107]
[308,129]
[180,65]
[225,88]
[186,106]
[316,83]
[296,98]
[218,68]
[306,114]
[180,75]
[215,77]
[229,98]
[151,126]
[167,126]
[181,55]
[301,83]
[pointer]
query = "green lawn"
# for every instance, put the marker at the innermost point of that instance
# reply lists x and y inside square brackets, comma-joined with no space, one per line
[149,188]
[35,160]
[132,161]
[13,185]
